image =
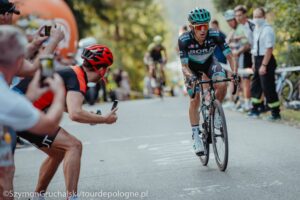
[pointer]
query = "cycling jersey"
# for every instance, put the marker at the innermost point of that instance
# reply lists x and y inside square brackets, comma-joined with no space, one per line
[75,79]
[155,53]
[193,54]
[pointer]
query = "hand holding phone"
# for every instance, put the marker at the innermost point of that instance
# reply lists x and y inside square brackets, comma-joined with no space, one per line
[47,30]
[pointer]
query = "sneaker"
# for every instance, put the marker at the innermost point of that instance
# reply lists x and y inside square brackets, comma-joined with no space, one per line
[253,114]
[273,118]
[198,144]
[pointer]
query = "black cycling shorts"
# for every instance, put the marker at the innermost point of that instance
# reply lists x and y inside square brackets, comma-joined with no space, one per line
[211,68]
[38,140]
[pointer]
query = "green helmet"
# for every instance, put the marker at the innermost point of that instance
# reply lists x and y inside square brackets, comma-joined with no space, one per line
[199,16]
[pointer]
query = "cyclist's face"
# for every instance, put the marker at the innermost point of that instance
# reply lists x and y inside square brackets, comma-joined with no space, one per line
[200,30]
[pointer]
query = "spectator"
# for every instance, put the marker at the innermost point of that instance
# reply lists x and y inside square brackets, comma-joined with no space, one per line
[264,67]
[218,52]
[7,10]
[16,111]
[244,52]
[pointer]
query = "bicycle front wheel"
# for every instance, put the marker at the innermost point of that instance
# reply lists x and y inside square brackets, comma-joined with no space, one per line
[219,135]
[205,136]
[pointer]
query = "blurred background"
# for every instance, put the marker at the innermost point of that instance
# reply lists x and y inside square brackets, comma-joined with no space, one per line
[128,27]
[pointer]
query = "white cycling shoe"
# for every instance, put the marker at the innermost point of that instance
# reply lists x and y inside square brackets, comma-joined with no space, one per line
[198,145]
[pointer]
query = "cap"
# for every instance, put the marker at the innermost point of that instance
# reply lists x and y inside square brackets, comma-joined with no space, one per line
[6,6]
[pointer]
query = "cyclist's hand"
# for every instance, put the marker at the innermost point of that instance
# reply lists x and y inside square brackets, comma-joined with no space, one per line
[191,80]
[111,117]
[34,89]
[236,78]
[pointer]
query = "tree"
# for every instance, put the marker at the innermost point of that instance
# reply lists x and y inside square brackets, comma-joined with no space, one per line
[284,15]
[126,26]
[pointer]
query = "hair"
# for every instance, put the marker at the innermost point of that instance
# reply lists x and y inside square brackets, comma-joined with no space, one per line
[12,44]
[241,8]
[215,22]
[262,10]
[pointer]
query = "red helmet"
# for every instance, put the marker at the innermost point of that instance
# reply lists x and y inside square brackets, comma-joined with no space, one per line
[98,56]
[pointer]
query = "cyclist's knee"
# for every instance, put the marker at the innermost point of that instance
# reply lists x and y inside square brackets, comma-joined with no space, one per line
[76,145]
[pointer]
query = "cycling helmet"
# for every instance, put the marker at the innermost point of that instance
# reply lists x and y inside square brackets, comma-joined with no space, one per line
[229,15]
[199,16]
[157,39]
[97,55]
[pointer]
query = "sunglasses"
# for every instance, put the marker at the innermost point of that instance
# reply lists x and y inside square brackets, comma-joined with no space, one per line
[201,27]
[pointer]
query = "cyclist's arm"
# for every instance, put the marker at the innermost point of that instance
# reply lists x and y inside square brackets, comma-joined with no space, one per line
[165,56]
[76,113]
[184,58]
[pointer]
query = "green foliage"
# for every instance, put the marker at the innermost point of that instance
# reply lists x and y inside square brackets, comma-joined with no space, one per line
[284,15]
[126,26]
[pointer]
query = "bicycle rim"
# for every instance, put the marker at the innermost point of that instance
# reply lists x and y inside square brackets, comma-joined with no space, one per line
[287,90]
[219,135]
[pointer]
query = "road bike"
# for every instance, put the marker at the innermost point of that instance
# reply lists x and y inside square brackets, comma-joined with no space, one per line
[214,121]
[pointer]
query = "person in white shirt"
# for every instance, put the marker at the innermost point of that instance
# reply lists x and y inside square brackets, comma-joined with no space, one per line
[244,52]
[15,110]
[264,67]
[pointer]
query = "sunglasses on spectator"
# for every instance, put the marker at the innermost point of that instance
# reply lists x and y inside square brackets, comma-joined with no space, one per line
[201,27]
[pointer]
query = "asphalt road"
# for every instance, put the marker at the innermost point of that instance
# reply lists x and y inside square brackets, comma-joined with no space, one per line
[148,154]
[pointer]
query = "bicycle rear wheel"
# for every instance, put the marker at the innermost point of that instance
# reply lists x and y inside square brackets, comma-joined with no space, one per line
[219,135]
[205,138]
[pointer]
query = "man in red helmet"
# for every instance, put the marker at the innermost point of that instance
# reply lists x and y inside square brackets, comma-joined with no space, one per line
[62,145]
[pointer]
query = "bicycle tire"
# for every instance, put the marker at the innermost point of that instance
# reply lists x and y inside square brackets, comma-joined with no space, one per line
[222,163]
[286,91]
[205,158]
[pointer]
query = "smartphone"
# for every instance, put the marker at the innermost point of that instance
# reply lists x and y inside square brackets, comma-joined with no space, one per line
[47,66]
[115,104]
[47,30]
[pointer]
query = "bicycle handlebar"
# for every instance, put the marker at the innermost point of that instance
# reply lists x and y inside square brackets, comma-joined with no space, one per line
[200,82]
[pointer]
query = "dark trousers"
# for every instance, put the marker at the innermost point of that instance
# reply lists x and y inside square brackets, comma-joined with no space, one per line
[265,84]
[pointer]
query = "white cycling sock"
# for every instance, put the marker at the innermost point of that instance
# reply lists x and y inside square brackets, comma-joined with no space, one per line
[195,130]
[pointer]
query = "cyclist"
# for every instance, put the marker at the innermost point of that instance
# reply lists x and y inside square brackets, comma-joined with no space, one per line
[196,53]
[62,145]
[158,56]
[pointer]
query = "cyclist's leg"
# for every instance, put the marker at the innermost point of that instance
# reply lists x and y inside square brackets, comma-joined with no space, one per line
[216,71]
[72,149]
[68,146]
[162,71]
